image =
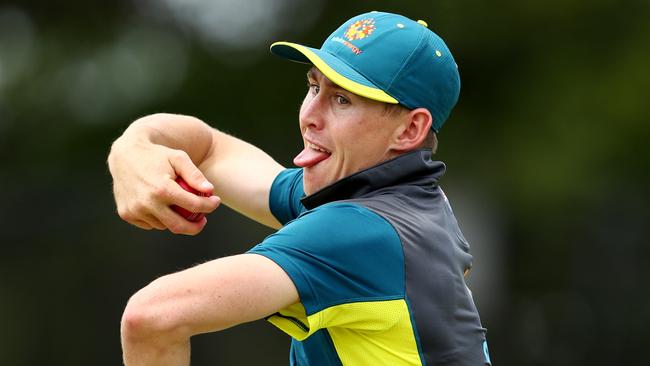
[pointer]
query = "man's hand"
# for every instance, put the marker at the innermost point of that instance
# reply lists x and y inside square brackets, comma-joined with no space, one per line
[156,149]
[144,184]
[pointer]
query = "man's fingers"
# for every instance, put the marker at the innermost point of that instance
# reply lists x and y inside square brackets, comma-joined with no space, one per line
[143,221]
[179,225]
[186,169]
[174,194]
[141,224]
[154,222]
[144,196]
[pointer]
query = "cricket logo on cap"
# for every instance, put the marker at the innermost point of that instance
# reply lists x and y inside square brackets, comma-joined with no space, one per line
[360,29]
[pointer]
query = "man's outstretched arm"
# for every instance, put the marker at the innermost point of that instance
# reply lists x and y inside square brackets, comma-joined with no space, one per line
[160,319]
[155,149]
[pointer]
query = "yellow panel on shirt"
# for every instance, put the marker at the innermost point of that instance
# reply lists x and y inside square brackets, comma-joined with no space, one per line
[363,333]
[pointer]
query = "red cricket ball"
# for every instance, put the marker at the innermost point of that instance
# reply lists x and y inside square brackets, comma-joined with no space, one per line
[190,216]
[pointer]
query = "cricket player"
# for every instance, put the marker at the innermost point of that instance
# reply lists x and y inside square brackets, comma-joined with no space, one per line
[368,264]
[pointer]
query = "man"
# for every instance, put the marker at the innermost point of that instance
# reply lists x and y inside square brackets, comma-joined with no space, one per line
[369,266]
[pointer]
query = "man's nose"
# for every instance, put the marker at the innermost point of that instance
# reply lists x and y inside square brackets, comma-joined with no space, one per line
[311,112]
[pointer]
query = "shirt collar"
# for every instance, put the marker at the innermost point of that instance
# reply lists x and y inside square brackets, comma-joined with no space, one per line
[415,167]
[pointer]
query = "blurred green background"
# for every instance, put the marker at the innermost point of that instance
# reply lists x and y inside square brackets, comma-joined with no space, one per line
[547,155]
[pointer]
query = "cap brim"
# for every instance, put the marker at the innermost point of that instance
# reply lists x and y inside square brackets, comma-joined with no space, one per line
[334,69]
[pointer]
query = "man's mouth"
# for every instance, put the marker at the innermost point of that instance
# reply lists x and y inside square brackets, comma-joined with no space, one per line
[311,155]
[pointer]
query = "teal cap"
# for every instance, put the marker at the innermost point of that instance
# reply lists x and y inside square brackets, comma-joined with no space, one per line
[389,58]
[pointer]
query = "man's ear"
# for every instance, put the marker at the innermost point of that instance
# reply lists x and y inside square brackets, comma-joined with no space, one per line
[413,130]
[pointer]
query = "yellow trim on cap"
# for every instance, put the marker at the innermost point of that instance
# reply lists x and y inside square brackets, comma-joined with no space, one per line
[338,79]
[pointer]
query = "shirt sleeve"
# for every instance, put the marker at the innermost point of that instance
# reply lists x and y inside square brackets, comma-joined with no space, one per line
[286,192]
[337,254]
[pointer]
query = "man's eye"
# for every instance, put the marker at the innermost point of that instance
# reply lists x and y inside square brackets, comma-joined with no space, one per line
[315,88]
[342,100]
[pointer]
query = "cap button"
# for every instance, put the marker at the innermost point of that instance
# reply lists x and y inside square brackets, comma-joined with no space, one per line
[423,23]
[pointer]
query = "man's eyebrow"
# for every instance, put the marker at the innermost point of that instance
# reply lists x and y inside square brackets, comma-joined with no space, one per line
[311,75]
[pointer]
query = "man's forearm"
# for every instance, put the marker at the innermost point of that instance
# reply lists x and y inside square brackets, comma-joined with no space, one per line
[149,352]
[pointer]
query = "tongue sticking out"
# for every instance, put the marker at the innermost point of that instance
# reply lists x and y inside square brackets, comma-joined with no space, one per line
[309,157]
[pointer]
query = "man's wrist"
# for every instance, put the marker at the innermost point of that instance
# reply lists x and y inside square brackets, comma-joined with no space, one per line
[132,136]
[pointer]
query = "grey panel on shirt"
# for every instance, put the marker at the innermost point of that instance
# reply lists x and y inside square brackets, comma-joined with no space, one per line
[436,257]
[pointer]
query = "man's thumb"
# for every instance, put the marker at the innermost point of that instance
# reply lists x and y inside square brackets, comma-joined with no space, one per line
[193,176]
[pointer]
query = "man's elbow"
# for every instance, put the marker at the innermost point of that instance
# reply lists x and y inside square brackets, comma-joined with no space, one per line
[137,323]
[145,319]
